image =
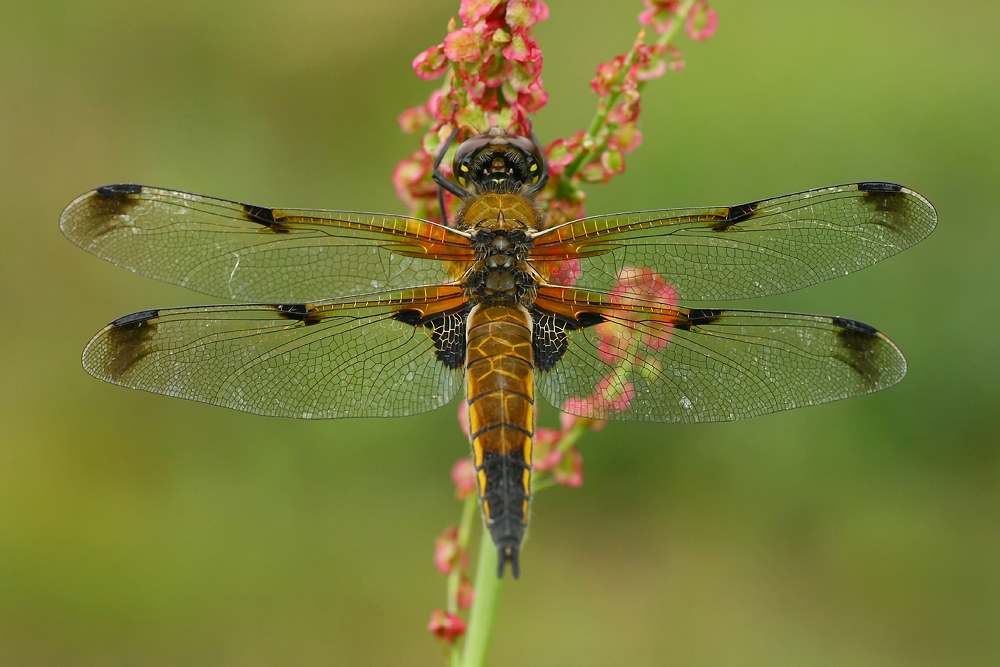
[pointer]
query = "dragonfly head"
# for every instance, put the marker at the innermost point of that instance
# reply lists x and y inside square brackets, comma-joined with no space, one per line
[497,162]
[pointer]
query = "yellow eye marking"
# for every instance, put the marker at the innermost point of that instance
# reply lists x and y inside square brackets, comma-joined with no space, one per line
[464,168]
[461,180]
[533,167]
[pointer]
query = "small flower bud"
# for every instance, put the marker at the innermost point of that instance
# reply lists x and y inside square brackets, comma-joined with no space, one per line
[446,626]
[446,551]
[463,473]
[569,472]
[465,593]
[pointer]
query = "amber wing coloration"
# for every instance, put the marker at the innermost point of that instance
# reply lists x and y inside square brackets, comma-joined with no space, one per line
[328,359]
[756,249]
[651,361]
[253,253]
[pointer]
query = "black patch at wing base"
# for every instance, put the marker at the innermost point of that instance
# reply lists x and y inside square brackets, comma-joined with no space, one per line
[129,340]
[549,340]
[858,348]
[448,332]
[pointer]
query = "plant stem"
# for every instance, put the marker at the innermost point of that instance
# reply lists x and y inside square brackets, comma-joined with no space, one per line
[483,616]
[455,577]
[607,103]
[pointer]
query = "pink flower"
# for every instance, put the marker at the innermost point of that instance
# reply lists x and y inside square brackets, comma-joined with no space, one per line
[658,13]
[408,177]
[569,472]
[627,137]
[615,395]
[473,10]
[701,22]
[463,417]
[565,273]
[466,594]
[463,46]
[463,474]
[431,63]
[446,626]
[607,74]
[446,550]
[414,118]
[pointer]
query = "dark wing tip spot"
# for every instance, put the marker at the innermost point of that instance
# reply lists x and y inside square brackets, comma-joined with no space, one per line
[854,326]
[119,189]
[135,318]
[879,186]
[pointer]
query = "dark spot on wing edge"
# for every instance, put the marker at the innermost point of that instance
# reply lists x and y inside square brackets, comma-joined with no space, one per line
[263,216]
[697,317]
[859,344]
[735,215]
[299,312]
[119,189]
[135,318]
[879,186]
[129,339]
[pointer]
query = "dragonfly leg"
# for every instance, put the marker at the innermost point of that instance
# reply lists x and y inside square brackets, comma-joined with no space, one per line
[442,182]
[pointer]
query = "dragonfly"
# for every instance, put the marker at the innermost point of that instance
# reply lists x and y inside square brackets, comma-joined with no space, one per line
[352,314]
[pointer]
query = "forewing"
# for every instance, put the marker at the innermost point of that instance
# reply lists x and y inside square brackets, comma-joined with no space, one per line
[752,250]
[655,362]
[330,359]
[251,253]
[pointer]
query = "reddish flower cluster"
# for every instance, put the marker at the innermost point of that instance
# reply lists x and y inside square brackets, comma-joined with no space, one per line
[448,627]
[492,67]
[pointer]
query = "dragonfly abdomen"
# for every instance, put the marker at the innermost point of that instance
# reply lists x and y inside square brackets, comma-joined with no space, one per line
[501,420]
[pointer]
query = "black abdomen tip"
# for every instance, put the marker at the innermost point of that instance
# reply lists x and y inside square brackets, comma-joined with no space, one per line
[509,554]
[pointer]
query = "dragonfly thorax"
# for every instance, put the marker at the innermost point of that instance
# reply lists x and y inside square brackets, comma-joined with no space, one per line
[500,275]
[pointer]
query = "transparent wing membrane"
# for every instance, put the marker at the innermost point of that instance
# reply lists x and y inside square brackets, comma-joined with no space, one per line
[649,361]
[758,249]
[329,359]
[251,253]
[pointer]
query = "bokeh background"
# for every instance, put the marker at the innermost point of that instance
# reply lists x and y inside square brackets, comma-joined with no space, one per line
[141,530]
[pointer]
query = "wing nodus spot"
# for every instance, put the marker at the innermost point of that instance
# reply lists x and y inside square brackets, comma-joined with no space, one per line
[697,317]
[299,312]
[263,216]
[735,215]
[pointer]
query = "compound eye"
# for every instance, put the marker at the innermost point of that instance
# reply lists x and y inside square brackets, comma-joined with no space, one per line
[466,149]
[526,145]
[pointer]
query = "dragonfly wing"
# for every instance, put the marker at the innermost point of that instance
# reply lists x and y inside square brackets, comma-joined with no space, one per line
[377,357]
[251,253]
[638,360]
[734,252]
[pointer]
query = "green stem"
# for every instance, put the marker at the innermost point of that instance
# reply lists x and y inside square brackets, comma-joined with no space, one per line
[608,102]
[483,616]
[455,576]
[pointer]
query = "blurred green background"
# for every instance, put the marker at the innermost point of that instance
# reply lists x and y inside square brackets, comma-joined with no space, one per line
[141,530]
